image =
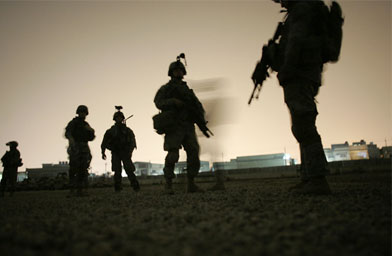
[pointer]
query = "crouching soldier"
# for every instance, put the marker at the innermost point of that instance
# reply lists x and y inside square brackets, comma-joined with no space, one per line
[79,133]
[11,161]
[120,140]
[180,110]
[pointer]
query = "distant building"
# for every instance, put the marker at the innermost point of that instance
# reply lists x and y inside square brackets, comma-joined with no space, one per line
[48,170]
[386,152]
[356,151]
[148,168]
[258,161]
[151,169]
[329,154]
[373,151]
[359,150]
[181,166]
[341,152]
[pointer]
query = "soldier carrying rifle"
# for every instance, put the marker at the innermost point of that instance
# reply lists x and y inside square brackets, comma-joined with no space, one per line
[180,110]
[309,37]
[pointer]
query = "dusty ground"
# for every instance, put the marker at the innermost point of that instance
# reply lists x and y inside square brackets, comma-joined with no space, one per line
[257,217]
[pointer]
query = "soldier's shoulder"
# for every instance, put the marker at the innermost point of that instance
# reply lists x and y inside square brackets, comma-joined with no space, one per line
[73,121]
[165,86]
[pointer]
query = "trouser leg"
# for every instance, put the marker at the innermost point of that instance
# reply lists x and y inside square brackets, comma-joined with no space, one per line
[170,161]
[3,183]
[299,98]
[12,180]
[117,169]
[192,149]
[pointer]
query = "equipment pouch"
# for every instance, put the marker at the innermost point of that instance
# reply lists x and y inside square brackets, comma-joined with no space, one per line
[165,121]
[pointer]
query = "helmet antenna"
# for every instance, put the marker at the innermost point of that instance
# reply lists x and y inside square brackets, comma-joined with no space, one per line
[182,56]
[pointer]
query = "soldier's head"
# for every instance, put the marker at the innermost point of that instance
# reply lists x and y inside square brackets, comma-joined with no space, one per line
[82,111]
[12,144]
[177,69]
[118,116]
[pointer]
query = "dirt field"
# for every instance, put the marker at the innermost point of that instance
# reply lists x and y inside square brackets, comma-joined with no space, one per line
[254,217]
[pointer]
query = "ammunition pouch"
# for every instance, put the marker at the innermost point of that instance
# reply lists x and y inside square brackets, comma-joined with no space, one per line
[165,121]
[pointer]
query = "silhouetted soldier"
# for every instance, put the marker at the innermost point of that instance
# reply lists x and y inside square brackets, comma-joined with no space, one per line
[181,109]
[11,161]
[298,58]
[79,133]
[120,140]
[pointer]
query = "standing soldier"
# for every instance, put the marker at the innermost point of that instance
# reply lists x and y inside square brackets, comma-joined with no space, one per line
[120,140]
[79,133]
[11,161]
[180,110]
[306,41]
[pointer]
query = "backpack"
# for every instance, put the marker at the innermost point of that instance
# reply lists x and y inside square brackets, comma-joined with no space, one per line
[333,42]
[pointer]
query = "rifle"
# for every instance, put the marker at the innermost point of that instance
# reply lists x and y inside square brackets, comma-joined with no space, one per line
[260,73]
[197,111]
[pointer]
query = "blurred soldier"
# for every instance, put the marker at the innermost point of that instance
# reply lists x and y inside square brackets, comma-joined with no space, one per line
[298,58]
[120,140]
[181,109]
[11,161]
[79,133]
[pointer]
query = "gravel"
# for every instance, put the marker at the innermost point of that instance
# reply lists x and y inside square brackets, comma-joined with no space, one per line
[252,217]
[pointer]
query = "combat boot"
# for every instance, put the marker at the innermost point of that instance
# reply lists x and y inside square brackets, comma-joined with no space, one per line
[315,186]
[192,187]
[169,187]
[135,185]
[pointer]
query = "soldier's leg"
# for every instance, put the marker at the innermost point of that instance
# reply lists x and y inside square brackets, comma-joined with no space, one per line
[117,169]
[192,149]
[299,98]
[82,174]
[129,168]
[3,183]
[12,180]
[172,145]
[72,175]
[170,162]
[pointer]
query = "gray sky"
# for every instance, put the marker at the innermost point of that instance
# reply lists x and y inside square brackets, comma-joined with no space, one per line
[56,55]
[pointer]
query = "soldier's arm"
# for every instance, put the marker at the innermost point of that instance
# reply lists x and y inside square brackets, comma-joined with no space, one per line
[132,138]
[68,133]
[69,129]
[105,144]
[164,103]
[90,132]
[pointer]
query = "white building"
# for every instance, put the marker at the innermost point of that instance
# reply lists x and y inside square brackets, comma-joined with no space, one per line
[258,161]
[48,170]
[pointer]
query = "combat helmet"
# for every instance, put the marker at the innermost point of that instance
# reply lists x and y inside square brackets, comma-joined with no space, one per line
[12,144]
[177,64]
[82,109]
[118,113]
